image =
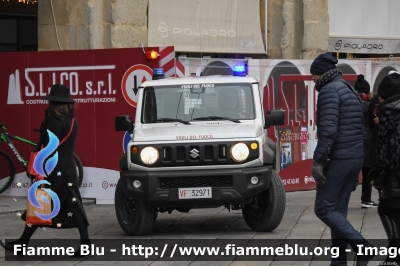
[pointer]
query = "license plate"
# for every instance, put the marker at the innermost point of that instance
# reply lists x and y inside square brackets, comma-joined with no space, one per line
[195,193]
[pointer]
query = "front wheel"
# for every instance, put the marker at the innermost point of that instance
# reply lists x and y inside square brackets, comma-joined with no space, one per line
[7,171]
[135,217]
[265,212]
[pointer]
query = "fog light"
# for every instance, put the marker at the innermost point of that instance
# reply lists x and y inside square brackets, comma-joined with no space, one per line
[254,180]
[136,184]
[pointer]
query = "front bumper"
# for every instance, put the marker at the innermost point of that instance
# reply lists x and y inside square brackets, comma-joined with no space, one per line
[229,186]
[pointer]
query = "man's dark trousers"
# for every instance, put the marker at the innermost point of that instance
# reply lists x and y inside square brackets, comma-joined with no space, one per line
[331,204]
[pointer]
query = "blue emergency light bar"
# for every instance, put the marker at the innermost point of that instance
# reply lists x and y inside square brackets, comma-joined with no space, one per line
[158,73]
[239,71]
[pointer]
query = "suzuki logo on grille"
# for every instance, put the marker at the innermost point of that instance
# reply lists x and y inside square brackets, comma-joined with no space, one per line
[194,153]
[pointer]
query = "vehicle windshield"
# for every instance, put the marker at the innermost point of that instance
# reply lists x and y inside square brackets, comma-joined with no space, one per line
[197,102]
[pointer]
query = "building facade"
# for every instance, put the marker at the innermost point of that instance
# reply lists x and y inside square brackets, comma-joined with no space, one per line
[295,29]
[274,29]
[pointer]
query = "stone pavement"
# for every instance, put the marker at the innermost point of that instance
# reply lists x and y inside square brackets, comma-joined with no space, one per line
[299,222]
[10,205]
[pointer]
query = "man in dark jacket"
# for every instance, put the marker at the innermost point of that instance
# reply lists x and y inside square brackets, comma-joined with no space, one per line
[338,156]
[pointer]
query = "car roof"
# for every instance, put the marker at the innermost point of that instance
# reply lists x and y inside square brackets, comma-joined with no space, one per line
[201,79]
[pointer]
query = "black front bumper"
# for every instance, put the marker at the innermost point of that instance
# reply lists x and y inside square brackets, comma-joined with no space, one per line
[157,191]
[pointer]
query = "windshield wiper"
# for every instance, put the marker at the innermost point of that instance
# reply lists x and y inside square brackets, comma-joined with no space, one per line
[169,120]
[217,118]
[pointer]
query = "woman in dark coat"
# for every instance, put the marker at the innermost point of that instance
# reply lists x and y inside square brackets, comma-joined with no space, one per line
[63,179]
[363,88]
[385,171]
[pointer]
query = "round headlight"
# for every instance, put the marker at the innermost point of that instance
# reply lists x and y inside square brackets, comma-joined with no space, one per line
[240,152]
[136,184]
[149,155]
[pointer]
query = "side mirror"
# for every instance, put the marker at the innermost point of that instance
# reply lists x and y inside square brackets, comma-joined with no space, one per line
[274,118]
[123,123]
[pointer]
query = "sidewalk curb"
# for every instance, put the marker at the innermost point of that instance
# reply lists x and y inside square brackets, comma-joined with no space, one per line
[86,202]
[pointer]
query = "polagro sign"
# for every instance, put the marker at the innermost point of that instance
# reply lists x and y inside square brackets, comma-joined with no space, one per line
[364,45]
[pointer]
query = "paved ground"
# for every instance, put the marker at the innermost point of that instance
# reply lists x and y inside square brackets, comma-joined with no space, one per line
[299,222]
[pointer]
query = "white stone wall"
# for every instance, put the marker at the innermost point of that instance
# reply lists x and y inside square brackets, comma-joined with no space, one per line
[296,29]
[92,24]
[316,28]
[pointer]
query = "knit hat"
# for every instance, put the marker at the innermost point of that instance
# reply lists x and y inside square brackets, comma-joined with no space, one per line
[323,63]
[361,85]
[389,86]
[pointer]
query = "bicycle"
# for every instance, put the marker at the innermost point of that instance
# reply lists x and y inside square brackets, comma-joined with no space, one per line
[7,174]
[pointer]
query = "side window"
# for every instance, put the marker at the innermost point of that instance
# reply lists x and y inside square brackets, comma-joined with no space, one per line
[247,103]
[243,99]
[149,111]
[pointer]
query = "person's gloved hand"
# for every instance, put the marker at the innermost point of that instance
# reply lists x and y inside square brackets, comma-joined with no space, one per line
[38,178]
[356,183]
[317,173]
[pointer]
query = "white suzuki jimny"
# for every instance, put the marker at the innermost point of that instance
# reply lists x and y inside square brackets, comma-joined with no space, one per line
[199,142]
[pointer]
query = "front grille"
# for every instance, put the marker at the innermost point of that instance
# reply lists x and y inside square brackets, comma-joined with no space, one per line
[209,152]
[196,154]
[180,153]
[198,181]
[221,151]
[167,154]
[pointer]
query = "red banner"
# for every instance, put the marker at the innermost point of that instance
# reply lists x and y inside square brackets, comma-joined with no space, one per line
[103,82]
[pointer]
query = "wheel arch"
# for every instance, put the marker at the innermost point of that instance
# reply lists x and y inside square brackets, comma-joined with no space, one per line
[270,153]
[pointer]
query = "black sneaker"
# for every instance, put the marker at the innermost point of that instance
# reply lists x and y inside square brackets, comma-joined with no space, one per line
[362,260]
[78,253]
[10,246]
[368,204]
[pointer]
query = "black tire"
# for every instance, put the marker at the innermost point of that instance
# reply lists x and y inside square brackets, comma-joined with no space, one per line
[79,169]
[7,171]
[135,217]
[266,211]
